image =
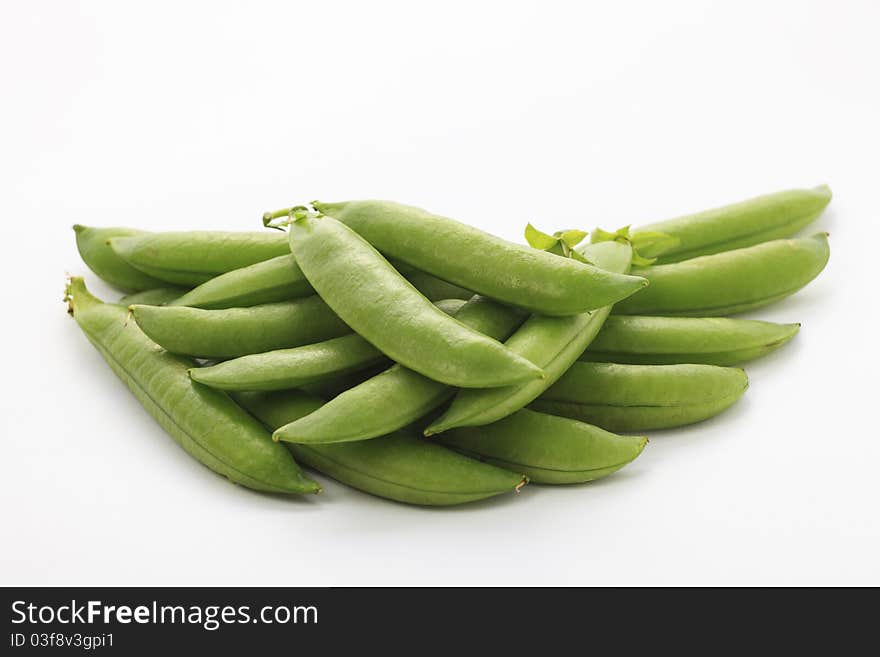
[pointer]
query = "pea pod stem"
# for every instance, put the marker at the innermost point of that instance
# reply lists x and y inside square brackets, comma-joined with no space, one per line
[269,218]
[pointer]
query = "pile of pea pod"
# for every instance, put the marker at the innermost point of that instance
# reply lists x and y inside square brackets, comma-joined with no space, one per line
[422,360]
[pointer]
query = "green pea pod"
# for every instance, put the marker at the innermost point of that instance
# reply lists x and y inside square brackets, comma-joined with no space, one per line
[193,257]
[94,249]
[642,397]
[554,343]
[398,467]
[372,297]
[638,340]
[292,368]
[730,282]
[757,220]
[396,397]
[156,297]
[235,332]
[546,448]
[509,273]
[205,422]
[281,279]
[269,281]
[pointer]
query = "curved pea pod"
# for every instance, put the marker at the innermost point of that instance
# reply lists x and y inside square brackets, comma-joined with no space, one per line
[291,368]
[510,273]
[378,303]
[235,332]
[205,422]
[546,448]
[642,397]
[396,397]
[94,248]
[156,297]
[269,281]
[761,219]
[553,343]
[281,279]
[730,282]
[639,340]
[398,467]
[192,257]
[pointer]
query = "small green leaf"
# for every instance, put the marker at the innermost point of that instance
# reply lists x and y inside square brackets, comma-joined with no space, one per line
[538,239]
[561,243]
[572,237]
[600,235]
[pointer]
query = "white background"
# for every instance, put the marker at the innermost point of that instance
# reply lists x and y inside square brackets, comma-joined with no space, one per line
[182,116]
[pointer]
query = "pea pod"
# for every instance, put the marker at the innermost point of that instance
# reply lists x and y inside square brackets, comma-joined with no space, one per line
[397,396]
[399,467]
[94,249]
[156,297]
[269,281]
[510,273]
[730,282]
[546,448]
[642,340]
[642,397]
[554,343]
[292,368]
[235,332]
[192,257]
[761,219]
[205,422]
[372,297]
[281,279]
